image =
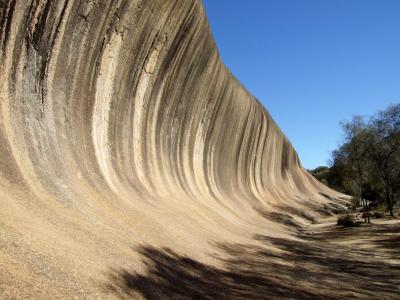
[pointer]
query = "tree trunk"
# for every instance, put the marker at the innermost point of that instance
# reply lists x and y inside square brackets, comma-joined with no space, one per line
[389,198]
[362,201]
[363,204]
[366,210]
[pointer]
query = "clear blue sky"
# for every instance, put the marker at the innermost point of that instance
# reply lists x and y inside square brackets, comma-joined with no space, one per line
[312,63]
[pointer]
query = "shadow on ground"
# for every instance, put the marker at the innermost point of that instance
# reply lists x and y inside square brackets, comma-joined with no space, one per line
[313,266]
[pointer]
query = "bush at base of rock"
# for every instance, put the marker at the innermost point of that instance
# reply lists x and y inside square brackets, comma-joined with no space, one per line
[346,220]
[378,214]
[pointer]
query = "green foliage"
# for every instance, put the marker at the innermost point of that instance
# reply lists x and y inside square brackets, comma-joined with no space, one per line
[320,173]
[355,202]
[367,164]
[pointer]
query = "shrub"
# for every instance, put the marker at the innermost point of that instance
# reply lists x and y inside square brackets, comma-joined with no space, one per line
[346,220]
[378,214]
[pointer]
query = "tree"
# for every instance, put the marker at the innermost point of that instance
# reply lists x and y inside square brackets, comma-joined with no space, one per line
[354,151]
[383,146]
[367,164]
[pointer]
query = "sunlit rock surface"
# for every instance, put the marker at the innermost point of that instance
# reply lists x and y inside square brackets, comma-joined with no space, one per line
[121,128]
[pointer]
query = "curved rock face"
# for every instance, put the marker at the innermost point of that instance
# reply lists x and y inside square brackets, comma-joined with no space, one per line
[120,126]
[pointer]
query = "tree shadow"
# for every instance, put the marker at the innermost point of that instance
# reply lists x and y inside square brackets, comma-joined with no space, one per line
[171,276]
[303,267]
[282,218]
[383,238]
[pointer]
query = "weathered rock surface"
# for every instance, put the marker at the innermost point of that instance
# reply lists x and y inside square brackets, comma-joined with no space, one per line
[120,127]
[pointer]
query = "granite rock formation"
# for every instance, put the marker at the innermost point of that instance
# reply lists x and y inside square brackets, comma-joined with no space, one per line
[121,127]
